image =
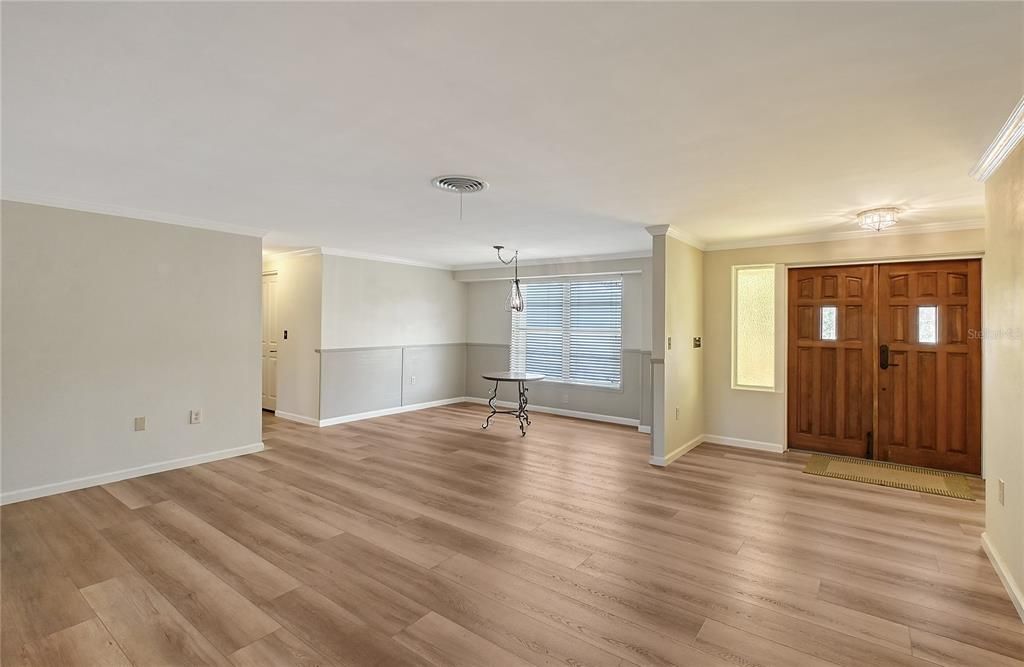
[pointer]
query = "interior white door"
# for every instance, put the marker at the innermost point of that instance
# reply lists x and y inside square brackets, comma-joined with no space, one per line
[270,341]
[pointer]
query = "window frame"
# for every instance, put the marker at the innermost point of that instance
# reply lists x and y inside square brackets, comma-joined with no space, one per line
[566,331]
[773,268]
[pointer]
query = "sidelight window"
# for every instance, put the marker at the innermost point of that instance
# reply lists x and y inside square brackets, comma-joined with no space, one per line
[753,327]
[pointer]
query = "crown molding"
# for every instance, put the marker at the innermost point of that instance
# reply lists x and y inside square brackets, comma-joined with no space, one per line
[386,259]
[299,252]
[820,237]
[1004,143]
[677,234]
[581,259]
[16,194]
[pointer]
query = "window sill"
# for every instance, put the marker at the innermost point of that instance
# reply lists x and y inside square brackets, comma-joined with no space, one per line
[583,385]
[743,387]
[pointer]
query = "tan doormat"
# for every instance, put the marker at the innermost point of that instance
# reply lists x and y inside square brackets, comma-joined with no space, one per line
[951,484]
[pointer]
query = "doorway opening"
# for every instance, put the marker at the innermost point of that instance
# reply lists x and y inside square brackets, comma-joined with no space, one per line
[269,341]
[885,362]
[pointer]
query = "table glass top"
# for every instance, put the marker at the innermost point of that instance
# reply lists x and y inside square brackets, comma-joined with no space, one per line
[512,376]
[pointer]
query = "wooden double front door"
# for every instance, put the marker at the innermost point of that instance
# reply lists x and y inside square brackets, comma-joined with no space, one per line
[885,362]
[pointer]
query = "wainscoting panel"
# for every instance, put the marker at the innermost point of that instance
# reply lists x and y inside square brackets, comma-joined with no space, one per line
[358,380]
[646,392]
[371,379]
[439,372]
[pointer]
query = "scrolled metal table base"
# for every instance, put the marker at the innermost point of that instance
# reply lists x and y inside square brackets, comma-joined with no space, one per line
[521,412]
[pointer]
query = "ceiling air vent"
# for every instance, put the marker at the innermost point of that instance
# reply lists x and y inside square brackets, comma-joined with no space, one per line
[462,185]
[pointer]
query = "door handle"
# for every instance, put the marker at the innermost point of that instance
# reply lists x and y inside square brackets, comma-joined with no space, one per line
[883,357]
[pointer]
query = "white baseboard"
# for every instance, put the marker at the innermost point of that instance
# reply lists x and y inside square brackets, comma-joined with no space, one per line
[662,461]
[308,421]
[387,411]
[127,473]
[460,399]
[745,444]
[1012,587]
[644,429]
[591,416]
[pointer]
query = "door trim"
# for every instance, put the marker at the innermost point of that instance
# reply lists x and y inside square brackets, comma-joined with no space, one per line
[890,260]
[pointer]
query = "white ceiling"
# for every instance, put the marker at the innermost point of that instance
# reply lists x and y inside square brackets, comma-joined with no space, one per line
[324,123]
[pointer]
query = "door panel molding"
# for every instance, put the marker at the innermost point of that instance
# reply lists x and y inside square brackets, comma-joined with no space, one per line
[929,407]
[830,379]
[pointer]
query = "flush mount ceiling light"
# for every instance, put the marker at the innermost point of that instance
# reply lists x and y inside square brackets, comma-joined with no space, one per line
[877,219]
[515,301]
[460,185]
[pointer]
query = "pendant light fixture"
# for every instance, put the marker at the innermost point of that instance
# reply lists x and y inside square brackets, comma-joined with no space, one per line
[877,219]
[515,301]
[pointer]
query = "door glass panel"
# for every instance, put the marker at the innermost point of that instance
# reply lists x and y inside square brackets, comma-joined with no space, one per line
[829,323]
[927,324]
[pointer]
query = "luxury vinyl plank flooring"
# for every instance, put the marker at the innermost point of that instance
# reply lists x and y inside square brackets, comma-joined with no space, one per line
[418,539]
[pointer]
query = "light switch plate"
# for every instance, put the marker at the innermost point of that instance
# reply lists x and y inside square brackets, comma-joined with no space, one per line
[1002,492]
[195,416]
[140,423]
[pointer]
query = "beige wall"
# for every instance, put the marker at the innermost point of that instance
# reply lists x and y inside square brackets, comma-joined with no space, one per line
[758,417]
[106,319]
[684,364]
[299,304]
[1003,370]
[372,304]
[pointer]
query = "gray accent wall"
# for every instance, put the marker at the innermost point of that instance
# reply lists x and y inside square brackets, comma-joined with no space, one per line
[367,379]
[433,373]
[359,380]
[646,390]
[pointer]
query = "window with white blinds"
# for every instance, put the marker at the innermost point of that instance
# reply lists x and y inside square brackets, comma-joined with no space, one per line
[570,332]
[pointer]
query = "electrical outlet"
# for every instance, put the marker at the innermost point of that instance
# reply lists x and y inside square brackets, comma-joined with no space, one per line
[670,342]
[140,423]
[1002,492]
[696,341]
[565,398]
[412,379]
[677,414]
[195,416]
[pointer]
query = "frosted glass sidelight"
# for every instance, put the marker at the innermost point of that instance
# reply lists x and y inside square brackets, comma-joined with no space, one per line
[754,327]
[927,324]
[829,323]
